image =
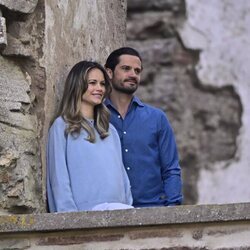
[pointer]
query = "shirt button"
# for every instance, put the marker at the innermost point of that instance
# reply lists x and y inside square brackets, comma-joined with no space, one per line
[119,116]
[124,132]
[128,168]
[126,150]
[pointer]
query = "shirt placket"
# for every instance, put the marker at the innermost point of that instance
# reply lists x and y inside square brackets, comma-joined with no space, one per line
[126,146]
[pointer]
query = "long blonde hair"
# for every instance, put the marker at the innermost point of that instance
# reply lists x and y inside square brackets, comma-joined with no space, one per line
[75,86]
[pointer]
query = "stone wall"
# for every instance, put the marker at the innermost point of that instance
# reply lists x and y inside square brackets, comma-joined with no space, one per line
[221,31]
[22,90]
[192,75]
[193,69]
[44,40]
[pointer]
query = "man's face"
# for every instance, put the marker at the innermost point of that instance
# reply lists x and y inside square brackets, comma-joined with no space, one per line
[127,74]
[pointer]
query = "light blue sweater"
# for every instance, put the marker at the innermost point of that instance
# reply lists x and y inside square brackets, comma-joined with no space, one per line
[80,174]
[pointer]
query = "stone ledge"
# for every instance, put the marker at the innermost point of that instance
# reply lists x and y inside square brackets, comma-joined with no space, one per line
[124,218]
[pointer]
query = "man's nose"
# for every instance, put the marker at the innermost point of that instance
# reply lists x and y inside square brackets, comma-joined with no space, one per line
[133,73]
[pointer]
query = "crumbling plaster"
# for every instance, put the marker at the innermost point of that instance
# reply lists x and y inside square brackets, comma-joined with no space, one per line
[220,31]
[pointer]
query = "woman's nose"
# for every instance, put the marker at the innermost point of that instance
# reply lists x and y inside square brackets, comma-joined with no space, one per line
[100,86]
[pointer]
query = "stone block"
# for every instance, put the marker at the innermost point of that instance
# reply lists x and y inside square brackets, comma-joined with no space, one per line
[22,6]
[16,47]
[150,25]
[142,5]
[14,244]
[71,239]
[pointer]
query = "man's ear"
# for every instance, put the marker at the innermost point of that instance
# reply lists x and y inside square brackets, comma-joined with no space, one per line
[110,73]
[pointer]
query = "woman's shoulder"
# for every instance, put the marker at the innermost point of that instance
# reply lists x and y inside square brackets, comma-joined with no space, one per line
[59,123]
[112,129]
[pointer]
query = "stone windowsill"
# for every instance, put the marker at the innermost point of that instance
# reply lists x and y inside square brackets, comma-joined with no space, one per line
[124,218]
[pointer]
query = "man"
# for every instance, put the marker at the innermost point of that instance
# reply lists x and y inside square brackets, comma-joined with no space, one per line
[149,150]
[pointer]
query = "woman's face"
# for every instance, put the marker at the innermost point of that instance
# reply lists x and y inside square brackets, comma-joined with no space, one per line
[96,88]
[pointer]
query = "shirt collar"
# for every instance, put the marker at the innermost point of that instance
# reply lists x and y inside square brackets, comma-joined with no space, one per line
[135,100]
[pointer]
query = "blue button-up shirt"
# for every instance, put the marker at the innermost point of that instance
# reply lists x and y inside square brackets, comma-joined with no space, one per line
[149,153]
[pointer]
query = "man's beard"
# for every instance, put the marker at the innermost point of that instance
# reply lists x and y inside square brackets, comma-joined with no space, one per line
[125,90]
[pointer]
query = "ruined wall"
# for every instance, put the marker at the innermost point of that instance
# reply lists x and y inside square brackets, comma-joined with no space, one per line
[44,39]
[221,31]
[206,118]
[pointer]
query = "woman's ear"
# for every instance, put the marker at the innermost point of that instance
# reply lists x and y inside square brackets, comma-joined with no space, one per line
[110,73]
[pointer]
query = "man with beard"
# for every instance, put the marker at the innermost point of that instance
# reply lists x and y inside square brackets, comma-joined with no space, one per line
[149,150]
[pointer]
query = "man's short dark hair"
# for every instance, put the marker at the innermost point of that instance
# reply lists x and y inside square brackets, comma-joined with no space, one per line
[113,58]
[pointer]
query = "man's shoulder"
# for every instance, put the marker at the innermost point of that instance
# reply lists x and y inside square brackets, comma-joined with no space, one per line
[152,109]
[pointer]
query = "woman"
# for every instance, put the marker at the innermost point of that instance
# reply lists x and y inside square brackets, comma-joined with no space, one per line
[84,161]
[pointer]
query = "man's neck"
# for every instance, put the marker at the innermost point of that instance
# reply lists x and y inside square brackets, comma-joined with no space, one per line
[121,101]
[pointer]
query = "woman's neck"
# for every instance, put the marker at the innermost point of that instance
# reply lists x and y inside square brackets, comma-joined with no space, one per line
[87,111]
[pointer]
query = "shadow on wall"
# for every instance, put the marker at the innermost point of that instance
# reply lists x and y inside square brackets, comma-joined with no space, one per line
[206,120]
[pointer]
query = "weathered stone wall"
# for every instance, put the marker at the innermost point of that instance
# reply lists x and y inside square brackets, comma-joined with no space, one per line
[221,31]
[44,40]
[22,89]
[206,118]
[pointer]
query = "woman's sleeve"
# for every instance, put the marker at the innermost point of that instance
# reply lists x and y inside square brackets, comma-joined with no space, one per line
[59,193]
[129,198]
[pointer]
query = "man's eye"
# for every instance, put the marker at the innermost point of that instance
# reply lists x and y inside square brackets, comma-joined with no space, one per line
[126,68]
[137,71]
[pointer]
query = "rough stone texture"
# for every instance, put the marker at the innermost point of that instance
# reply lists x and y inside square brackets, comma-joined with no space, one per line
[206,119]
[221,31]
[23,6]
[183,227]
[20,184]
[3,37]
[22,88]
[42,47]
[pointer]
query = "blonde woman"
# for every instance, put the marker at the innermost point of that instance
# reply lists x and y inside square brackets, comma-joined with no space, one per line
[84,160]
